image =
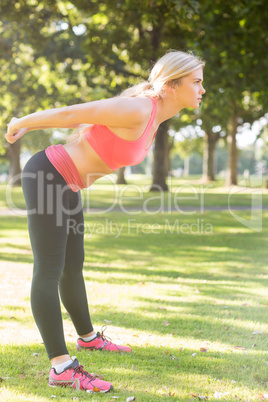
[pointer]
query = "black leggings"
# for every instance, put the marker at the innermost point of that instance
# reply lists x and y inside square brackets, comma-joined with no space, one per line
[56,228]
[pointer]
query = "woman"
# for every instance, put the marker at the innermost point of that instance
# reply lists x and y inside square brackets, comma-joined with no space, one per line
[111,133]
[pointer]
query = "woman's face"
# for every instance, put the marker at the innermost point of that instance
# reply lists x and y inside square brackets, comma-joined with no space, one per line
[189,92]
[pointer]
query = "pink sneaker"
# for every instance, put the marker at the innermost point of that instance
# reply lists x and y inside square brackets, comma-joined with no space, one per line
[101,343]
[75,376]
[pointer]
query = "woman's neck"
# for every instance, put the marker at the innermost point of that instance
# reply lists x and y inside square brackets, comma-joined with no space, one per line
[167,108]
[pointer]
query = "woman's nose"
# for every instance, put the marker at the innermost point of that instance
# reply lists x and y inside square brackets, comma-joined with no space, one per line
[203,89]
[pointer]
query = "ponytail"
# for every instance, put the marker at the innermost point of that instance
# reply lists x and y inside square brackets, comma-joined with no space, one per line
[78,132]
[144,88]
[168,70]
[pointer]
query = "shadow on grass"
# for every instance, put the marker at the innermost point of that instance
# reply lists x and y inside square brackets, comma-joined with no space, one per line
[193,321]
[21,315]
[212,327]
[218,257]
[17,257]
[149,373]
[131,276]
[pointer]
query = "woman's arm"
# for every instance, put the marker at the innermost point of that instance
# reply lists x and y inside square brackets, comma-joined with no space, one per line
[122,112]
[13,138]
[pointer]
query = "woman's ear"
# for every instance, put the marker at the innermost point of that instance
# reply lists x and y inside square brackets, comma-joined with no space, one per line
[173,84]
[169,87]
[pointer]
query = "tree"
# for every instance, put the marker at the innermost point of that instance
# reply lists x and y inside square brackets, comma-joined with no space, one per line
[21,75]
[76,51]
[161,156]
[188,143]
[236,65]
[213,117]
[127,37]
[120,176]
[42,66]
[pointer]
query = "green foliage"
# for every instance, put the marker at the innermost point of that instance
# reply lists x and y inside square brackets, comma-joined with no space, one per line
[55,53]
[188,145]
[235,73]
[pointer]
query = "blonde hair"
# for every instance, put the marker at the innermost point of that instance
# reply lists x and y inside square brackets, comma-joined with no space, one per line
[78,132]
[168,70]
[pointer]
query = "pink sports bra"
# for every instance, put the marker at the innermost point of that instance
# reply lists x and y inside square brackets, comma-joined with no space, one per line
[117,152]
[113,150]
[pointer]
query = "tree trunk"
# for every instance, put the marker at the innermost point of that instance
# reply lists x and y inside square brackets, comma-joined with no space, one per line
[231,178]
[14,163]
[120,176]
[168,163]
[149,163]
[186,166]
[160,167]
[209,156]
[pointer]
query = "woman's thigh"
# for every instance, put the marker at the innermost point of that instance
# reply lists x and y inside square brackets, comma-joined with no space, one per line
[48,210]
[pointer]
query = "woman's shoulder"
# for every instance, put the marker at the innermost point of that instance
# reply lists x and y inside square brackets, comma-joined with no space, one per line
[141,105]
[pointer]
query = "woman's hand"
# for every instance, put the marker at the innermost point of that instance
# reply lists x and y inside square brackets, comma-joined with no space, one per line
[14,133]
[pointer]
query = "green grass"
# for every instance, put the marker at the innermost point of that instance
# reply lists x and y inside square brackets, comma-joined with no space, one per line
[183,193]
[168,285]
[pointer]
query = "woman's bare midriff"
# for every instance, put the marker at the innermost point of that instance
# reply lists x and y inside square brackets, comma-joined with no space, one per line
[88,163]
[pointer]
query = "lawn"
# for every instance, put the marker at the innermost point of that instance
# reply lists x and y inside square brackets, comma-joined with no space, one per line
[184,193]
[187,291]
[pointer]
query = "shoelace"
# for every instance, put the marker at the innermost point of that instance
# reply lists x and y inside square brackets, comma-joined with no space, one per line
[80,370]
[105,338]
